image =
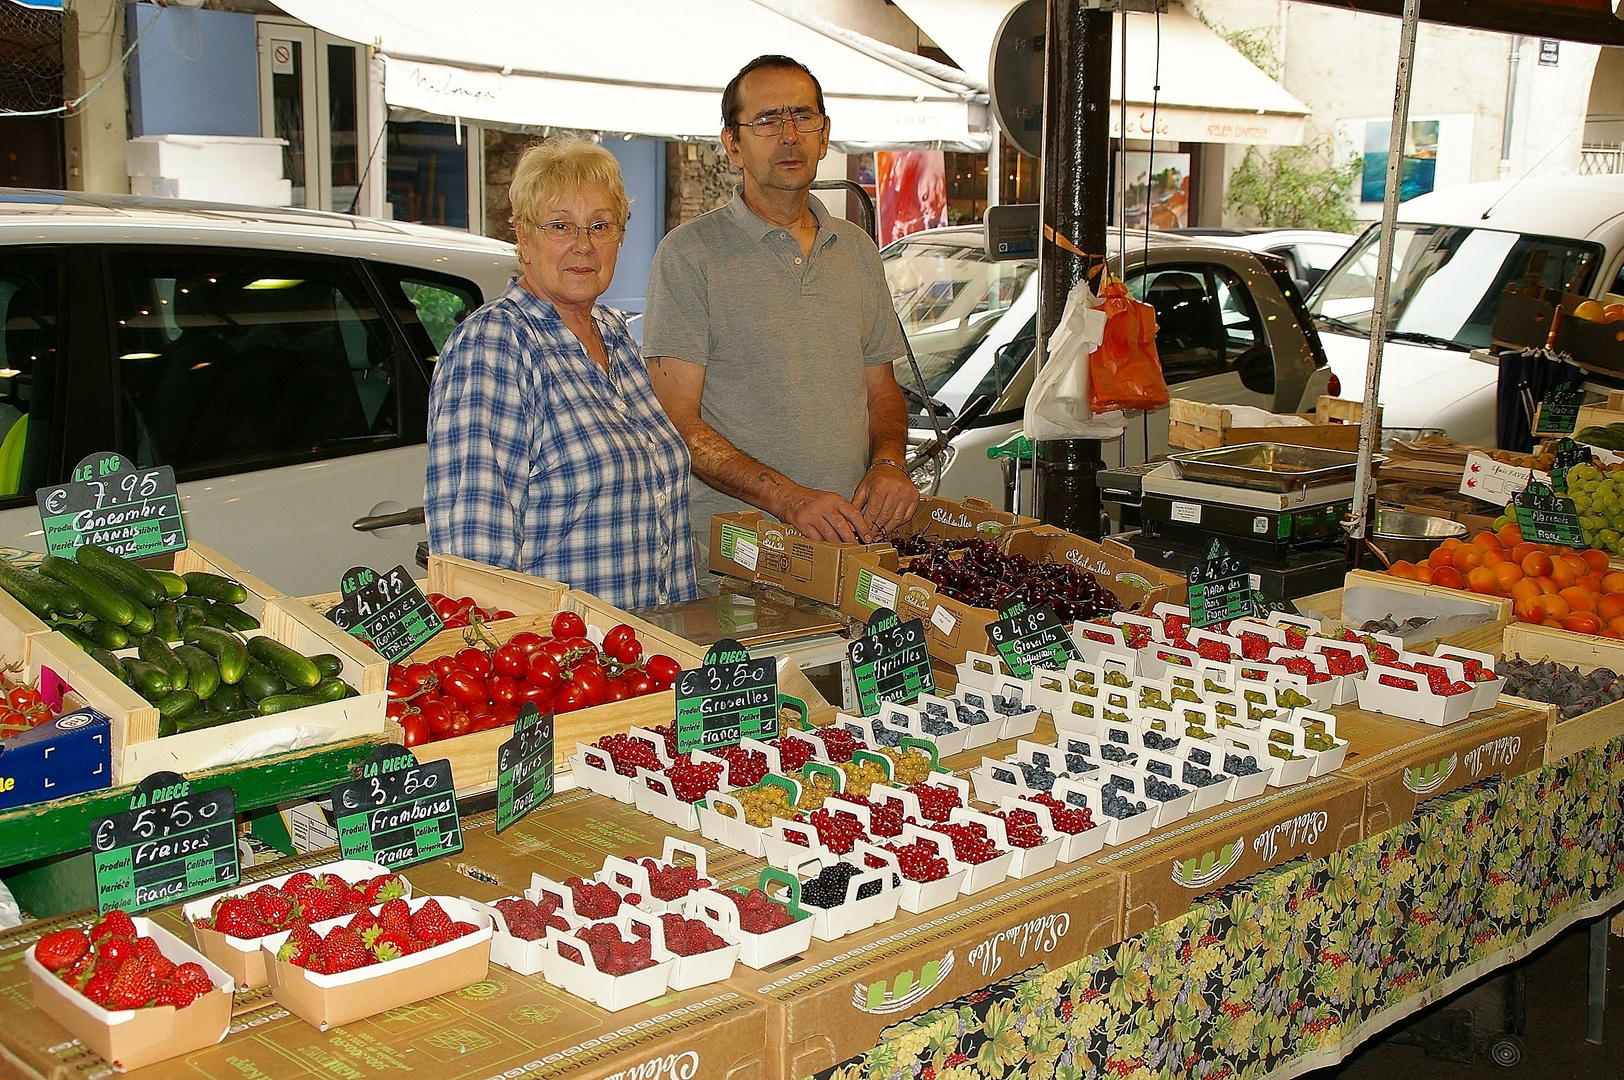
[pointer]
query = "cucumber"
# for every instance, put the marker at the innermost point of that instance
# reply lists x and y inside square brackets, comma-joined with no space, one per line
[75,635]
[228,617]
[226,648]
[297,669]
[137,581]
[229,699]
[174,585]
[214,587]
[331,689]
[189,617]
[143,622]
[154,650]
[195,602]
[166,620]
[260,682]
[277,703]
[101,598]
[198,721]
[178,704]
[38,594]
[329,664]
[149,680]
[111,663]
[106,634]
[201,673]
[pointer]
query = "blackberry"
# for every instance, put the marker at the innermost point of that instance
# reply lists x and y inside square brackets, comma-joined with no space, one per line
[828,889]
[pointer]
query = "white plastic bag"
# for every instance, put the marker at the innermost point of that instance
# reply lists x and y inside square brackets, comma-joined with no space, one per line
[1058,406]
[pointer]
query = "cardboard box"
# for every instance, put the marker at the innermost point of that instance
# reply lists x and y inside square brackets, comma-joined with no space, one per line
[837,998]
[1564,738]
[1402,763]
[68,756]
[1406,596]
[133,1038]
[1197,425]
[748,544]
[954,629]
[1525,317]
[1165,873]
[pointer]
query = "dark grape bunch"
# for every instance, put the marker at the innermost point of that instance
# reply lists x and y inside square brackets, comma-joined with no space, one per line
[986,577]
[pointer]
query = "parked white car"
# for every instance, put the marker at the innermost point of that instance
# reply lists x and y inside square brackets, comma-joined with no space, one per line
[1307,253]
[279,360]
[1231,330]
[1454,253]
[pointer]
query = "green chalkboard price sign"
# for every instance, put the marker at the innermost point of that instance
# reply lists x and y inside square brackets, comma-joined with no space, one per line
[389,610]
[1028,637]
[1546,517]
[728,698]
[172,844]
[1568,454]
[890,661]
[1220,587]
[399,812]
[524,767]
[131,512]
[1559,412]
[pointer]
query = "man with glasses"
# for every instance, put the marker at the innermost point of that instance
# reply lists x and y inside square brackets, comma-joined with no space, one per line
[770,333]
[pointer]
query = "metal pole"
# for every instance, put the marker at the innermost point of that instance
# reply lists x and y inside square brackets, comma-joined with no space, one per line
[1075,202]
[1362,484]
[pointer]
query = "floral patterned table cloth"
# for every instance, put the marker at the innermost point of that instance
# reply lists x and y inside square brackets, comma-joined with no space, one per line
[1291,971]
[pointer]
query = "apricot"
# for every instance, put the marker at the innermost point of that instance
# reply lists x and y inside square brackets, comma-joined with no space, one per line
[1616,625]
[1574,560]
[1524,589]
[1494,556]
[1510,535]
[1508,574]
[1423,574]
[1546,586]
[1467,556]
[1451,544]
[1613,582]
[1482,579]
[1554,624]
[1556,607]
[1609,607]
[1562,573]
[1440,557]
[1578,599]
[1536,564]
[1402,569]
[1448,577]
[1487,541]
[1522,551]
[1530,609]
[1582,622]
[1595,558]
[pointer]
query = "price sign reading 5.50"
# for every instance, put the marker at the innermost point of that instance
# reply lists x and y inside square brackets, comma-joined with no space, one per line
[171,844]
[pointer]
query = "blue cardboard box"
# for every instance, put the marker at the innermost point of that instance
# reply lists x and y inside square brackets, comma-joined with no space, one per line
[68,756]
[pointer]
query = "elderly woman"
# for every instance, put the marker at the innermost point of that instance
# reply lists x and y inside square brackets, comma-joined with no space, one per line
[548,451]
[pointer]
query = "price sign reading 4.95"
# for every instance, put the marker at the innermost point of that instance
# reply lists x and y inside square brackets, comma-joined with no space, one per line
[890,661]
[399,812]
[1028,637]
[1544,517]
[524,767]
[388,610]
[730,697]
[170,845]
[1220,588]
[131,512]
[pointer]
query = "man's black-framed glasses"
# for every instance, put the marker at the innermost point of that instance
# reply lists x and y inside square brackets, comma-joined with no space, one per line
[807,123]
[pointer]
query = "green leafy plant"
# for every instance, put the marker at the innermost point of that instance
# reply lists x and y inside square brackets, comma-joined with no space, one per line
[1296,187]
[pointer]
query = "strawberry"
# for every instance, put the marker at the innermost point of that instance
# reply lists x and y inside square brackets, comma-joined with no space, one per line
[395,914]
[430,924]
[238,918]
[113,924]
[1214,650]
[322,904]
[275,907]
[99,988]
[162,968]
[380,889]
[462,929]
[1254,646]
[1296,638]
[301,880]
[176,995]
[394,944]
[115,950]
[133,986]
[299,946]
[192,976]
[80,971]
[343,950]
[61,949]
[147,948]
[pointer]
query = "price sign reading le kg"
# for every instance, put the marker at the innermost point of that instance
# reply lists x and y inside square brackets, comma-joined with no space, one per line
[524,767]
[890,661]
[399,812]
[730,697]
[1544,517]
[172,844]
[1028,637]
[1220,588]
[1559,412]
[1568,454]
[131,512]
[389,610]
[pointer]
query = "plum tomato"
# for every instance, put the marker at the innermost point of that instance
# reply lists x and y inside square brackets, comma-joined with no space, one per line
[663,670]
[567,624]
[615,689]
[396,709]
[622,644]
[508,660]
[419,675]
[571,696]
[466,687]
[443,605]
[474,661]
[541,670]
[24,699]
[539,696]
[638,683]
[399,687]
[557,648]
[504,690]
[416,729]
[438,716]
[443,666]
[526,641]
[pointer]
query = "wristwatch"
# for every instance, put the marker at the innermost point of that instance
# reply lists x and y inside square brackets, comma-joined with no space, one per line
[888,461]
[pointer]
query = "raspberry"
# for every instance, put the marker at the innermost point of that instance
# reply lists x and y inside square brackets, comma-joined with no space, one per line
[689,937]
[672,882]
[612,954]
[593,899]
[758,913]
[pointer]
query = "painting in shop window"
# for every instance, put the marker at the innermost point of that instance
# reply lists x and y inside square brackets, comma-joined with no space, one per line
[912,192]
[1158,189]
[1419,172]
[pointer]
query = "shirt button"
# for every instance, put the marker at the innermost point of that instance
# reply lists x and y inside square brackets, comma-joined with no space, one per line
[797,260]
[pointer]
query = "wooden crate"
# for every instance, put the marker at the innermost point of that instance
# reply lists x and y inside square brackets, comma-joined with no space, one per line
[1485,638]
[1586,652]
[1197,425]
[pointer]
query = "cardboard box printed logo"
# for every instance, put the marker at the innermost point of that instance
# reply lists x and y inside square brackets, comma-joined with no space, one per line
[1489,757]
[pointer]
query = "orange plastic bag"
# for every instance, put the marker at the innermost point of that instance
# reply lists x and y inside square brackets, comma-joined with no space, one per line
[1125,372]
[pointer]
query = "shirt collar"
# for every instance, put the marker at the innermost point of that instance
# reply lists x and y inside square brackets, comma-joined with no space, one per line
[760,228]
[543,308]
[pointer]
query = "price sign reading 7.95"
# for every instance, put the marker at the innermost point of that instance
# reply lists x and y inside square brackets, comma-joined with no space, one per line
[132,512]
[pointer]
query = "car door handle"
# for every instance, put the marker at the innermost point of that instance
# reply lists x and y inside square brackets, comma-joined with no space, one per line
[414,516]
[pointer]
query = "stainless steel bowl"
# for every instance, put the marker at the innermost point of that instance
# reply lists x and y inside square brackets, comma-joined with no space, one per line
[1400,534]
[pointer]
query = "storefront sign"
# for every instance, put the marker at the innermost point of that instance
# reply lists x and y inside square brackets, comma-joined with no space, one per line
[171,844]
[730,697]
[890,662]
[131,512]
[399,812]
[1220,588]
[389,610]
[524,767]
[1028,637]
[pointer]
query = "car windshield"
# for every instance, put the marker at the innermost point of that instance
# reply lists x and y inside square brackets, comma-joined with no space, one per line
[1447,280]
[949,296]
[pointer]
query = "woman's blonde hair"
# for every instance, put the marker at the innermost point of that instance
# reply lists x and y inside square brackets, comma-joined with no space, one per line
[549,170]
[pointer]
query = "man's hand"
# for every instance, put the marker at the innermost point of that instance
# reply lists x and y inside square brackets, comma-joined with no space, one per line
[886,498]
[824,515]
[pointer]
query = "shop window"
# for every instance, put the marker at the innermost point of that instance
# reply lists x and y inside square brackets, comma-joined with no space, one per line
[428,173]
[239,360]
[28,352]
[966,187]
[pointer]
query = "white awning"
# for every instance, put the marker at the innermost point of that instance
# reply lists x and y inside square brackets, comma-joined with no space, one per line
[644,67]
[1209,92]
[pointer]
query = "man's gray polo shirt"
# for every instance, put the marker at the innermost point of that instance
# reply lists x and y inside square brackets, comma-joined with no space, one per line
[785,338]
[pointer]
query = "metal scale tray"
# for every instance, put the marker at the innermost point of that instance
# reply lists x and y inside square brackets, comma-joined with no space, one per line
[1263,466]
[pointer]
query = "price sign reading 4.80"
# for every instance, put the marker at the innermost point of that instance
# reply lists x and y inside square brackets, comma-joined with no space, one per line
[131,512]
[1220,588]
[399,812]
[170,845]
[890,662]
[730,697]
[388,610]
[1028,637]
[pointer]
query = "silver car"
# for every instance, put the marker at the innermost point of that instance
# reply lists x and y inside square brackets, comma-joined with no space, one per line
[279,360]
[1231,330]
